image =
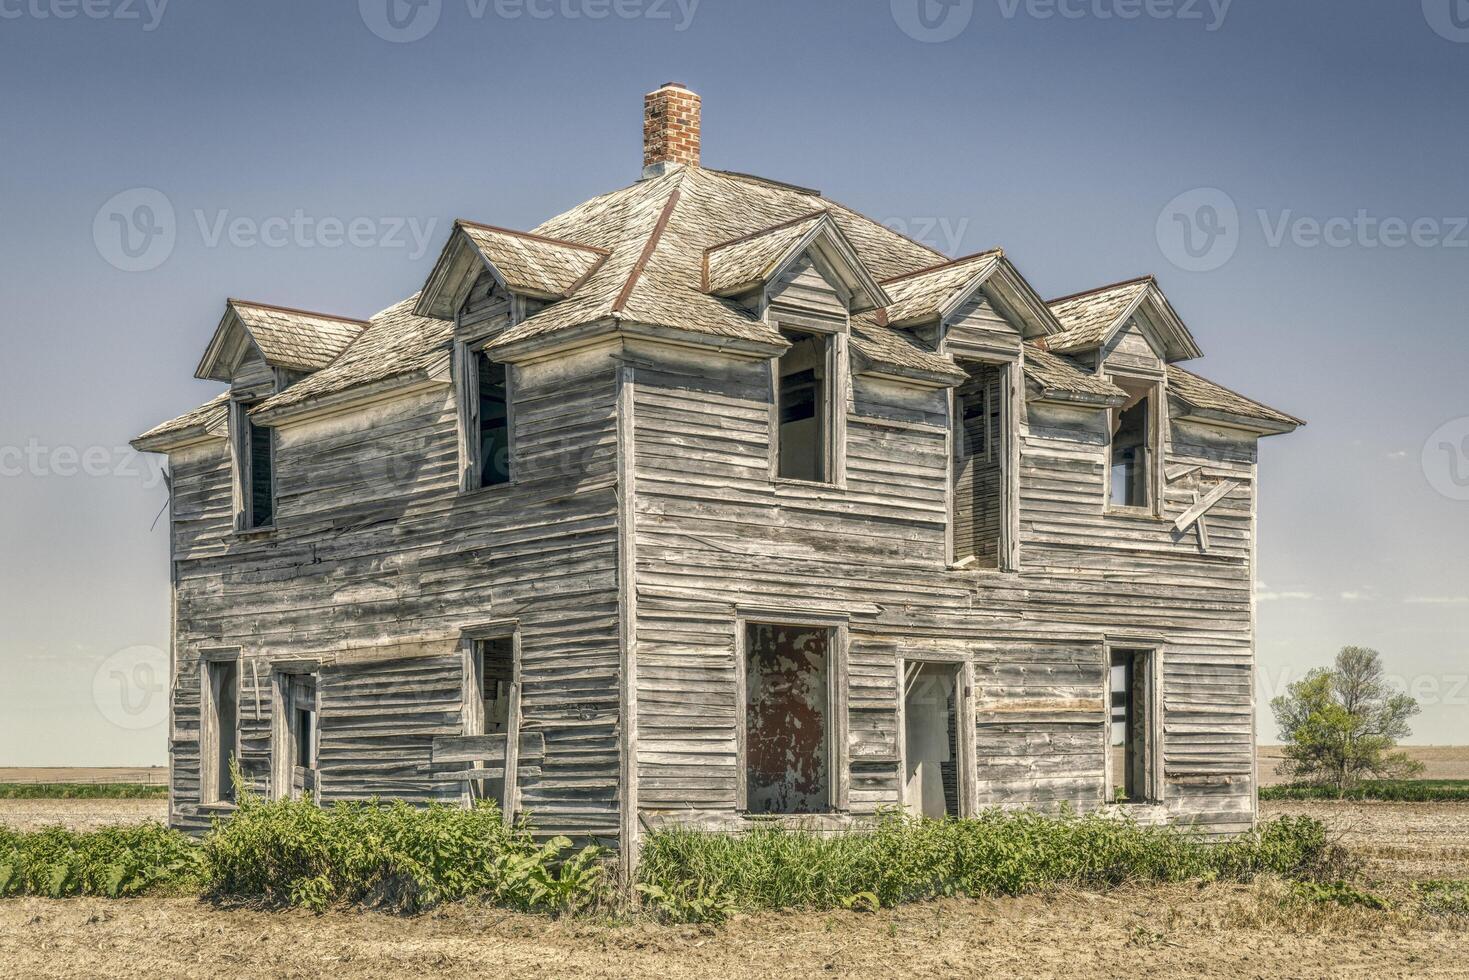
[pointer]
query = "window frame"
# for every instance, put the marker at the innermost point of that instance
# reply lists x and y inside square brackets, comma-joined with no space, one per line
[968,729]
[1152,648]
[210,775]
[1157,398]
[285,730]
[838,761]
[1009,450]
[242,458]
[466,395]
[472,718]
[834,449]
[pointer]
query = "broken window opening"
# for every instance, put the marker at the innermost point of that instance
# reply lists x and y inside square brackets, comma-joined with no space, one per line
[221,678]
[787,719]
[496,683]
[1131,729]
[803,400]
[980,474]
[298,738]
[493,440]
[262,475]
[1134,455]
[931,739]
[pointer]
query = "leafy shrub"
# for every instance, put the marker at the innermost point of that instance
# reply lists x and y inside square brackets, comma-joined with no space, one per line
[997,853]
[82,791]
[399,856]
[117,862]
[1381,790]
[1446,898]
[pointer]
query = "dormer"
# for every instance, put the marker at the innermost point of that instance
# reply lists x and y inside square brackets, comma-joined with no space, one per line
[487,275]
[259,349]
[1128,327]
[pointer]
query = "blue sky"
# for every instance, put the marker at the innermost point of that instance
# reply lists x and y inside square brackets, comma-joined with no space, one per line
[1313,152]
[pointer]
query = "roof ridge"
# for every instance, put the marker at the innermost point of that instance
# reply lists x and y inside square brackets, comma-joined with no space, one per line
[532,235]
[1102,289]
[648,247]
[944,265]
[232,301]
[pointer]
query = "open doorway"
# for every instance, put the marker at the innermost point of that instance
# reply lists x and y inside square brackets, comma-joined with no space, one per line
[933,751]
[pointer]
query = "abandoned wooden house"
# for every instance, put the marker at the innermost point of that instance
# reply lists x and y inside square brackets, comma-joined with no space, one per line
[711,501]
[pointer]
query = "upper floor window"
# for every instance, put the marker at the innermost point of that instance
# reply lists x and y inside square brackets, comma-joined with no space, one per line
[486,419]
[1135,449]
[804,406]
[253,449]
[982,473]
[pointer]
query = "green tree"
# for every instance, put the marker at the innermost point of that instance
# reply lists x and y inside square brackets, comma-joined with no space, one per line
[1342,724]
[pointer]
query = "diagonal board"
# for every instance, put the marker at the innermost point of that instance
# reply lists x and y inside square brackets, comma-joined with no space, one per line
[1205,505]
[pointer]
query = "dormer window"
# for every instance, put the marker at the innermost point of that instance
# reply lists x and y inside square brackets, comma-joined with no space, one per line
[804,412]
[253,452]
[486,419]
[1135,448]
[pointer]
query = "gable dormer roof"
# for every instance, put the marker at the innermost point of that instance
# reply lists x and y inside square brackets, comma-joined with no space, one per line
[751,260]
[1093,318]
[523,263]
[208,422]
[297,340]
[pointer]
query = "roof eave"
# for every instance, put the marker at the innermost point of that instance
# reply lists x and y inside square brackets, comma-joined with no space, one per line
[1259,426]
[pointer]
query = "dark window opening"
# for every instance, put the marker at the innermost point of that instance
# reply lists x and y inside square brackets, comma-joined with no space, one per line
[497,675]
[980,474]
[299,755]
[223,676]
[931,740]
[1133,457]
[306,740]
[494,422]
[787,719]
[1131,734]
[802,402]
[262,475]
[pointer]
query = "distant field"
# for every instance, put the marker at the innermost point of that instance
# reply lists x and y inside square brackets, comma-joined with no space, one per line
[1442,762]
[141,775]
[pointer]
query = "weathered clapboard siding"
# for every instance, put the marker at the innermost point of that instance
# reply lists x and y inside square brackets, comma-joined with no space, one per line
[377,566]
[714,534]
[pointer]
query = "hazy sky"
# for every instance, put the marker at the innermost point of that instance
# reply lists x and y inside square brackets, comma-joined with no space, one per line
[1292,170]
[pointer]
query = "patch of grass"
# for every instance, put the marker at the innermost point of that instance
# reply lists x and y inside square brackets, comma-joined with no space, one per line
[117,862]
[1445,898]
[397,857]
[1338,893]
[82,791]
[904,860]
[1379,790]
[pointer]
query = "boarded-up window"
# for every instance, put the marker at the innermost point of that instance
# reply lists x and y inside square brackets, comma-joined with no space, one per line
[803,403]
[221,726]
[494,422]
[787,719]
[980,490]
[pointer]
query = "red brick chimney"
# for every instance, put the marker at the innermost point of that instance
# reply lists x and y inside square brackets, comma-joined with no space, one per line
[670,129]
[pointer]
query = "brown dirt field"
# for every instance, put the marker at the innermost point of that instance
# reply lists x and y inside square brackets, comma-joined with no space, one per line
[1174,931]
[151,775]
[1441,762]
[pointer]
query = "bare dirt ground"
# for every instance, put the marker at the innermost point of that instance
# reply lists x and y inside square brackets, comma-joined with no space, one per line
[1233,931]
[79,814]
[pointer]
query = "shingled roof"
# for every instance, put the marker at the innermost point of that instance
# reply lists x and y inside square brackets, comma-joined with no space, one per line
[1210,396]
[298,340]
[208,421]
[1088,317]
[921,295]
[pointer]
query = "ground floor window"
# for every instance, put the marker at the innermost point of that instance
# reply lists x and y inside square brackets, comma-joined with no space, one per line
[931,739]
[296,738]
[1132,730]
[788,719]
[496,690]
[219,730]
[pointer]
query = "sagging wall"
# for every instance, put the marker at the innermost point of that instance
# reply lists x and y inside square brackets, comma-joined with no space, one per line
[377,566]
[715,535]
